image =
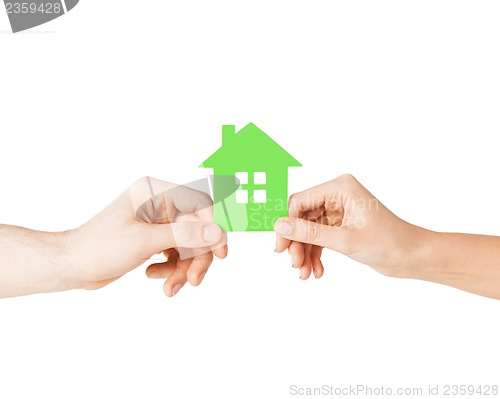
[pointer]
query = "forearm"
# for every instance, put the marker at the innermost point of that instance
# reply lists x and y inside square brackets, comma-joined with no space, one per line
[34,261]
[465,261]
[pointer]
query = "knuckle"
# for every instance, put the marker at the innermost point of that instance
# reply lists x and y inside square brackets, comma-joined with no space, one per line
[206,199]
[293,202]
[311,232]
[348,178]
[140,181]
[194,279]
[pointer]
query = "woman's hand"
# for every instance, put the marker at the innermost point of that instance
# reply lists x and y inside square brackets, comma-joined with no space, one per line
[344,216]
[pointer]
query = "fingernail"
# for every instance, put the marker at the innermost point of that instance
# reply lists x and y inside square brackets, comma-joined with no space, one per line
[176,289]
[315,274]
[283,228]
[202,276]
[211,233]
[154,274]
[292,261]
[301,273]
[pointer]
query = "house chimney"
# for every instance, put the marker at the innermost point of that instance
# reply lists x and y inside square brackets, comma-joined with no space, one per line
[228,131]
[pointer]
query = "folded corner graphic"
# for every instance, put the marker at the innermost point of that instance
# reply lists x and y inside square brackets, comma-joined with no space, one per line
[26,15]
[259,166]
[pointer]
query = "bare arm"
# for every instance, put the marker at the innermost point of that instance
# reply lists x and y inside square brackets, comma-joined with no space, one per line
[33,261]
[466,261]
[116,241]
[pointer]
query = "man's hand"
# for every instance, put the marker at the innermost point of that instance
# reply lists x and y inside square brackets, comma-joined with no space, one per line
[116,241]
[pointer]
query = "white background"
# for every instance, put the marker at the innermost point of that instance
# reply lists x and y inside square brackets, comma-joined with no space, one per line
[404,95]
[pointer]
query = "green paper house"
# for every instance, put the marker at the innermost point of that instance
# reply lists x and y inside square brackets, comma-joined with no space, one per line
[259,166]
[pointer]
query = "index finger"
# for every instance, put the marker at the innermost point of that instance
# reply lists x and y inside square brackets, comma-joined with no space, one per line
[307,200]
[301,203]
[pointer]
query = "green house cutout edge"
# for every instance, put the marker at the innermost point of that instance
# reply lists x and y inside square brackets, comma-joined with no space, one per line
[259,166]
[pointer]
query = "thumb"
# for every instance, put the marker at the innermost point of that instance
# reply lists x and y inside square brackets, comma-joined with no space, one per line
[305,231]
[182,234]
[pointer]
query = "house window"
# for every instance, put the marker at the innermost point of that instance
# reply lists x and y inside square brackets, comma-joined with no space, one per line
[242,196]
[253,190]
[242,178]
[259,196]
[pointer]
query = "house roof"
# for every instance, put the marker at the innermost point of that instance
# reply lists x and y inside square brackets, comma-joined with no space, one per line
[249,148]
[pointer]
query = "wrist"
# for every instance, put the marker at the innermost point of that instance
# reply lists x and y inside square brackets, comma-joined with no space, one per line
[64,246]
[419,262]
